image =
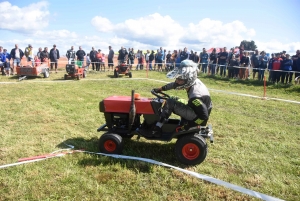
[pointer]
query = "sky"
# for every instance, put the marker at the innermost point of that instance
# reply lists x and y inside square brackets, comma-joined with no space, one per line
[274,25]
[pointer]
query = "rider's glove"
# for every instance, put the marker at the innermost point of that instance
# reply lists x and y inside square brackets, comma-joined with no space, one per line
[157,90]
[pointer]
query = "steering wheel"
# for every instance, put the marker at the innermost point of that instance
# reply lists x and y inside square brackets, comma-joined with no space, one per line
[160,95]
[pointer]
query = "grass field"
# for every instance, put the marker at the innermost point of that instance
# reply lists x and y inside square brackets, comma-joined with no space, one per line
[256,142]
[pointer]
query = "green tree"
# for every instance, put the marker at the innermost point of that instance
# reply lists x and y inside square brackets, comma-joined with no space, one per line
[249,45]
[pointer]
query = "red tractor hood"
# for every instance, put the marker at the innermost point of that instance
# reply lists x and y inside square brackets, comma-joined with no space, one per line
[122,104]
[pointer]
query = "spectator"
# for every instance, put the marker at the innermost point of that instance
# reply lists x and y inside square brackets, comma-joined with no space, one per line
[71,55]
[80,55]
[222,62]
[147,59]
[6,65]
[29,54]
[213,57]
[298,65]
[54,56]
[231,64]
[178,58]
[38,54]
[270,67]
[160,58]
[276,68]
[204,61]
[196,59]
[151,58]
[218,61]
[236,66]
[98,60]
[244,64]
[122,55]
[168,61]
[93,58]
[286,66]
[16,55]
[255,63]
[192,55]
[37,61]
[45,55]
[88,61]
[156,59]
[184,55]
[110,58]
[3,56]
[262,63]
[294,58]
[140,62]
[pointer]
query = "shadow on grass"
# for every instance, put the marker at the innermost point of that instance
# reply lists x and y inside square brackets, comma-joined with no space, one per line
[159,151]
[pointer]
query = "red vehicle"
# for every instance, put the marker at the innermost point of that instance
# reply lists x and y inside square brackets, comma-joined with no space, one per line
[123,120]
[122,69]
[27,71]
[75,72]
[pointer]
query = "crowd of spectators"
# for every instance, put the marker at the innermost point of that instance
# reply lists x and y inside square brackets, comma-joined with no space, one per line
[235,64]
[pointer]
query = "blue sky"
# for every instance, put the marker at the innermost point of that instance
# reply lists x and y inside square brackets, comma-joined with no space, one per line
[272,24]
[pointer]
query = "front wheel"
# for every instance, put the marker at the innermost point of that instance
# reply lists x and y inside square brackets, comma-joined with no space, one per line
[110,143]
[191,149]
[46,74]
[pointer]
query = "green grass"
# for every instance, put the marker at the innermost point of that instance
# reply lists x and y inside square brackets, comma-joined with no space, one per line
[256,142]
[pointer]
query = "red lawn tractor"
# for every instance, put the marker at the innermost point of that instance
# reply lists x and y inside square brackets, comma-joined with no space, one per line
[122,69]
[75,72]
[123,120]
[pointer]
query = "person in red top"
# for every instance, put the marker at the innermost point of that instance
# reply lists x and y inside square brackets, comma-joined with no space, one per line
[98,60]
[276,68]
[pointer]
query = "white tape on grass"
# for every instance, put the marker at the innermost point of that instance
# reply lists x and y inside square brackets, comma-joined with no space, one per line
[194,174]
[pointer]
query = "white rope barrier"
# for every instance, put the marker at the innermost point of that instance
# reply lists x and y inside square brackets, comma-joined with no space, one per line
[151,161]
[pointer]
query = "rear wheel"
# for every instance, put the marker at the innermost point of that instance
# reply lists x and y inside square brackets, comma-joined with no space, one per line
[110,143]
[191,149]
[78,77]
[66,76]
[84,74]
[130,74]
[116,74]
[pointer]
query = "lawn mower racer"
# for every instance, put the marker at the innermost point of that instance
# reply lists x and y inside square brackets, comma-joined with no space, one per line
[193,112]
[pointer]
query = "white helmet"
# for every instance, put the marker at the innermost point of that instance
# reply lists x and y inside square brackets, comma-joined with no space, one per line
[187,71]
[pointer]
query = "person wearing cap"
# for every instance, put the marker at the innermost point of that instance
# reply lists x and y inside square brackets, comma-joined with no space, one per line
[54,56]
[16,55]
[29,54]
[193,112]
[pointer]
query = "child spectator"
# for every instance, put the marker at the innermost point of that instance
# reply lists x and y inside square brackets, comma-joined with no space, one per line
[7,67]
[102,63]
[276,68]
[37,61]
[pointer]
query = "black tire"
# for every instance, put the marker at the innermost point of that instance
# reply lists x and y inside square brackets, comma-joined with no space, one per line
[84,74]
[191,149]
[78,77]
[130,74]
[46,74]
[111,143]
[66,76]
[116,74]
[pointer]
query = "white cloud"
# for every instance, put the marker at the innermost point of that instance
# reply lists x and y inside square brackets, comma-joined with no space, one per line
[26,19]
[277,46]
[157,30]
[152,29]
